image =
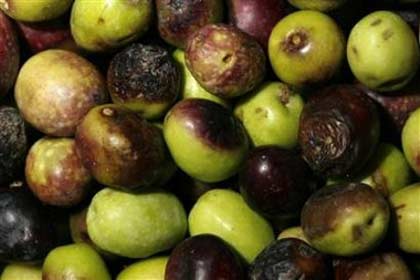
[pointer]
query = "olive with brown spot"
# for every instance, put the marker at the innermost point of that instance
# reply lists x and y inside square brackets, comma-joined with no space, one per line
[306,48]
[144,79]
[56,88]
[387,56]
[177,20]
[121,149]
[338,131]
[271,115]
[55,173]
[411,141]
[206,141]
[345,219]
[405,224]
[225,61]
[384,266]
[289,259]
[105,25]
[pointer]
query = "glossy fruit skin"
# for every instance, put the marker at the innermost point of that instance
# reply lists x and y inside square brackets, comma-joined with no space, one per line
[386,265]
[271,115]
[148,269]
[293,232]
[232,220]
[383,36]
[35,11]
[137,225]
[257,18]
[224,60]
[74,261]
[338,131]
[406,209]
[144,79]
[9,54]
[410,141]
[206,141]
[276,182]
[55,89]
[345,219]
[27,233]
[121,149]
[13,143]
[205,257]
[306,48]
[318,5]
[105,25]
[288,259]
[177,20]
[190,88]
[55,173]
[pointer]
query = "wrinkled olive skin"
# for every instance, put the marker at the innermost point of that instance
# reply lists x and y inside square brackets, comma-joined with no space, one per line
[145,79]
[290,259]
[13,143]
[204,257]
[338,131]
[26,231]
[387,266]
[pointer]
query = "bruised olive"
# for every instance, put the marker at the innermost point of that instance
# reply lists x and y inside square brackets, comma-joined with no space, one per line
[338,131]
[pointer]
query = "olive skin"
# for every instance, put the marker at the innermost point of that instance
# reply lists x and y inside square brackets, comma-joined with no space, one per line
[121,149]
[204,257]
[177,20]
[276,181]
[145,79]
[9,54]
[338,131]
[13,143]
[290,259]
[26,231]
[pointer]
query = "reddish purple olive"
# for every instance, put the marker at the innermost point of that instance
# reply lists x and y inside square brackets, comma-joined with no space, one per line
[9,54]
[257,18]
[276,182]
[338,131]
[204,257]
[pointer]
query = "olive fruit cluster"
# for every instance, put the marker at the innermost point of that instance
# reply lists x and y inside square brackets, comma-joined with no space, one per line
[207,140]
